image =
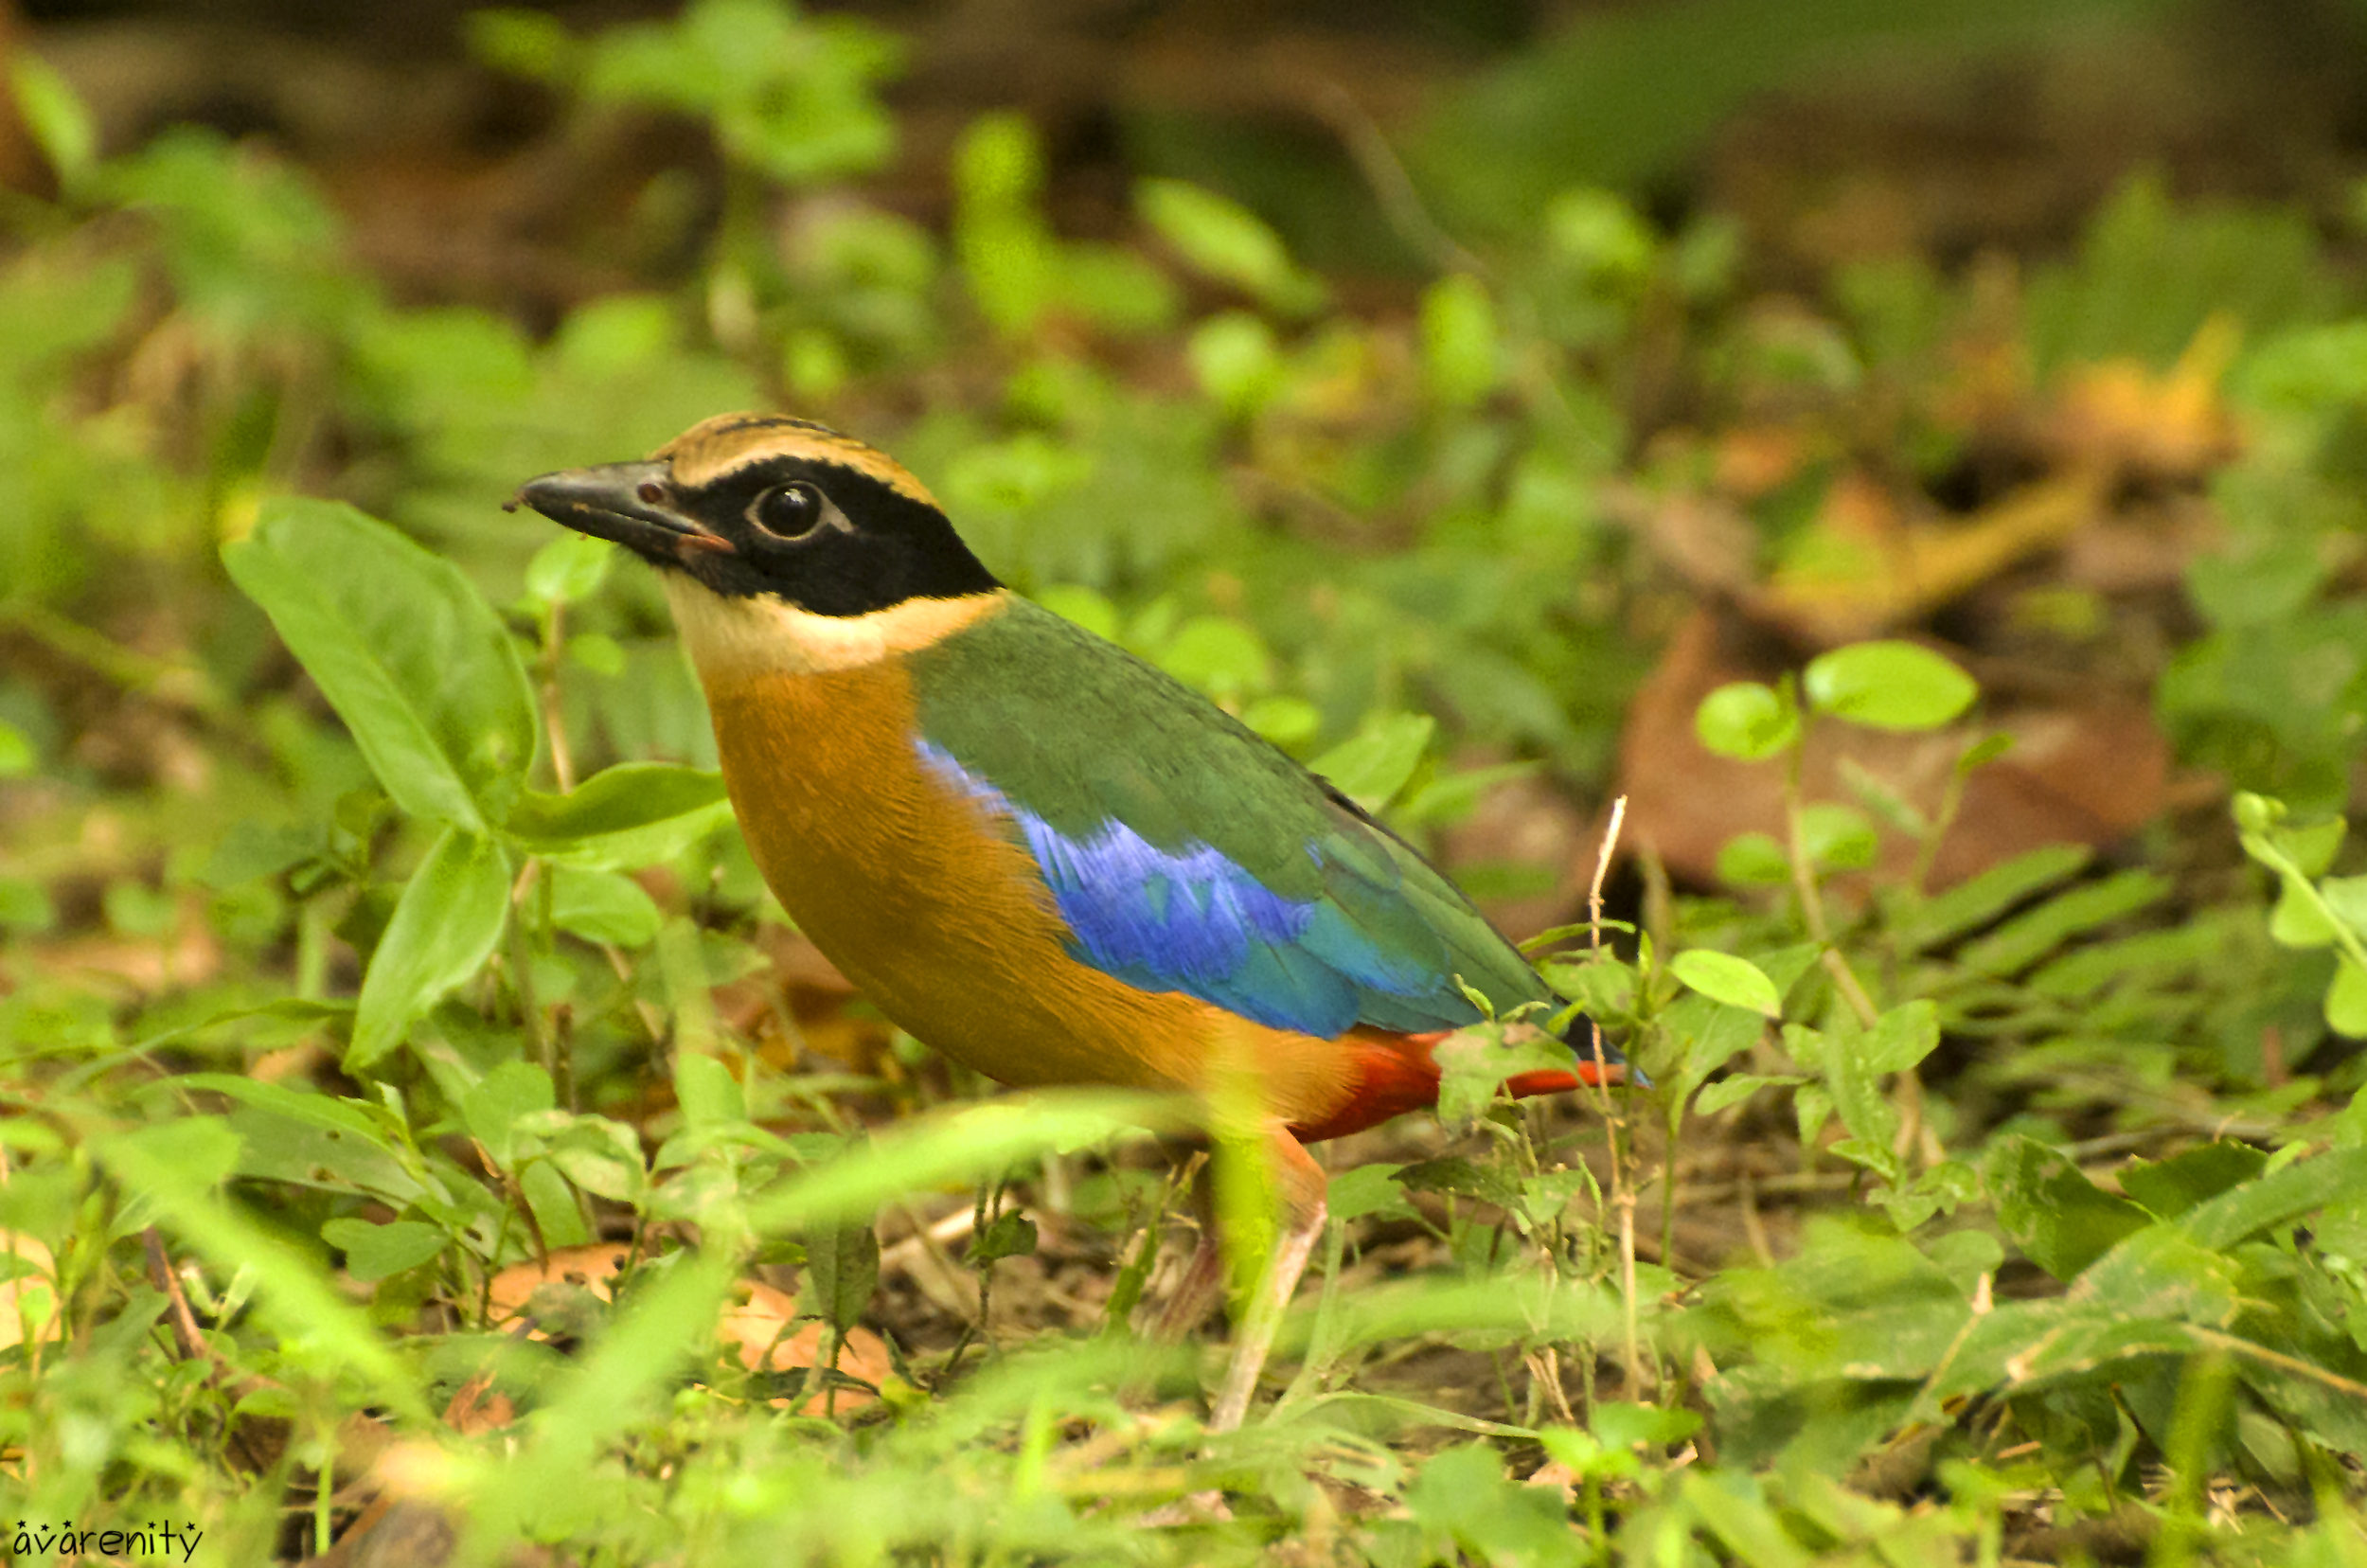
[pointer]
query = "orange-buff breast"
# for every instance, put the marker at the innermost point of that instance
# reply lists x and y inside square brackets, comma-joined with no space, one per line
[937,912]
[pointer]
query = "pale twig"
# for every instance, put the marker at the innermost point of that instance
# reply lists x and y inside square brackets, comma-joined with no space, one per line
[1622,1185]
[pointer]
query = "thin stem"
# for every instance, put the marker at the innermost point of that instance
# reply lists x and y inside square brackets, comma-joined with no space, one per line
[1811,897]
[1614,1121]
[554,720]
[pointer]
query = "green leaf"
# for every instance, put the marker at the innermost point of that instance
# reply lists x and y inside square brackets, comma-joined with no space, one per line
[1236,361]
[25,905]
[842,1272]
[1837,838]
[2346,999]
[1364,1191]
[1009,1234]
[1747,720]
[1473,1066]
[1753,859]
[16,753]
[1723,977]
[1223,240]
[1740,1087]
[444,928]
[2346,898]
[2026,939]
[706,1090]
[1901,1037]
[1218,655]
[373,1251]
[2170,1188]
[2299,920]
[569,568]
[405,650]
[603,907]
[492,1107]
[294,1299]
[1972,904]
[2060,1218]
[60,122]
[1371,767]
[1461,345]
[2283,1197]
[1892,686]
[623,818]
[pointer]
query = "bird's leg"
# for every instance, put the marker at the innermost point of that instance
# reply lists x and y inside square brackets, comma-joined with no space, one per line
[1299,1183]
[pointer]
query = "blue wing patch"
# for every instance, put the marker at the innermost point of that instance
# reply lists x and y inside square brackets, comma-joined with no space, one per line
[1189,919]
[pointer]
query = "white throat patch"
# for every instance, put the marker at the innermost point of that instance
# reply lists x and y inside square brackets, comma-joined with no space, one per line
[734,639]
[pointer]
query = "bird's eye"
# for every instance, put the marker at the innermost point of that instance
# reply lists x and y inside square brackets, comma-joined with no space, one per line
[788,511]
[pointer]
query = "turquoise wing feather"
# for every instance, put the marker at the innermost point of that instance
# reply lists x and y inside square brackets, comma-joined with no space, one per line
[1185,853]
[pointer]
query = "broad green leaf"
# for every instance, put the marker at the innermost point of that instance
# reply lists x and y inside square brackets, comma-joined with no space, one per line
[1837,838]
[2346,896]
[1746,721]
[569,568]
[60,122]
[1892,686]
[373,1251]
[343,1117]
[1365,1190]
[405,650]
[603,907]
[1708,1034]
[1723,977]
[2170,1188]
[1842,1057]
[706,1091]
[2280,1198]
[1901,1037]
[17,751]
[1235,360]
[1223,240]
[1218,655]
[621,818]
[444,928]
[1473,1066]
[1461,343]
[2262,824]
[2299,920]
[2346,999]
[1371,767]
[2060,1218]
[1753,859]
[492,1107]
[25,905]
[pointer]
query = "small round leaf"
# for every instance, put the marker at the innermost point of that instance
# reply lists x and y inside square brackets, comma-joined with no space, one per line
[1838,838]
[1723,977]
[1752,859]
[1746,721]
[1892,686]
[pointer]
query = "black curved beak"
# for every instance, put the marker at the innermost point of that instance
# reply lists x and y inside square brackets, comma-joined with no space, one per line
[629,503]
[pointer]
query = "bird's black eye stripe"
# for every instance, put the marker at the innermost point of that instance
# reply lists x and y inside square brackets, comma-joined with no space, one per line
[788,511]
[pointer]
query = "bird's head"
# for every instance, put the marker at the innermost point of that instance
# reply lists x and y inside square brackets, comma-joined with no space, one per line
[779,537]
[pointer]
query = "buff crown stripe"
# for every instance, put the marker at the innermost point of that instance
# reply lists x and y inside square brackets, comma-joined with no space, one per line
[716,447]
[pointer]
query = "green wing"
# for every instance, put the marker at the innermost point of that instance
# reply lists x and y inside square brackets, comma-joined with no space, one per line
[1187,854]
